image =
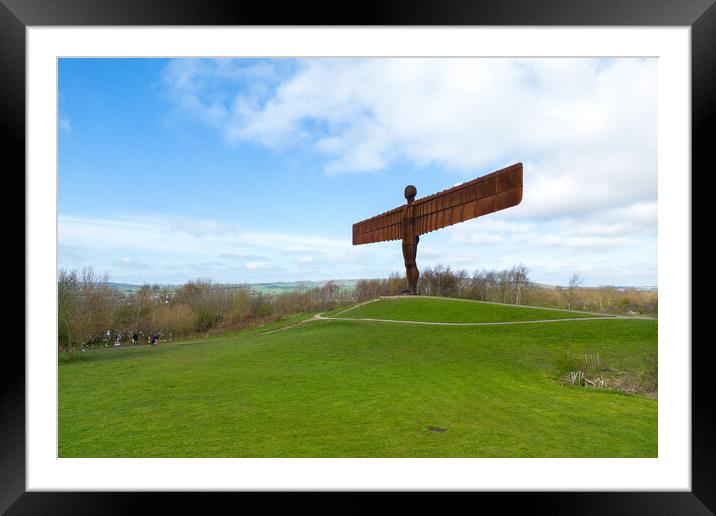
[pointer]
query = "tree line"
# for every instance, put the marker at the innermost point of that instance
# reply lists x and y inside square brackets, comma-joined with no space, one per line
[513,286]
[93,313]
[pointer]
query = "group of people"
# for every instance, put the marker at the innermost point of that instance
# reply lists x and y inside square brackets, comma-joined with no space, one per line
[153,338]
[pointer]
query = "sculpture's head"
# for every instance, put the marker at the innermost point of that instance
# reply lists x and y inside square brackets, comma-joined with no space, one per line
[410,193]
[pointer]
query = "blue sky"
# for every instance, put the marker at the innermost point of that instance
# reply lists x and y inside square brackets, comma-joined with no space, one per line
[254,170]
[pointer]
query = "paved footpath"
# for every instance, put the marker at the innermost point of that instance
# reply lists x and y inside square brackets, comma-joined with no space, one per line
[435,323]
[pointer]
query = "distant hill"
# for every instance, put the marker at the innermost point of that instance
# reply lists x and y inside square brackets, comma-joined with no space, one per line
[265,288]
[290,286]
[127,288]
[278,287]
[618,287]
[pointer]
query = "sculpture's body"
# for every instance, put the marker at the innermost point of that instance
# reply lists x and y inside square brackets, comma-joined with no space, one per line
[483,195]
[410,240]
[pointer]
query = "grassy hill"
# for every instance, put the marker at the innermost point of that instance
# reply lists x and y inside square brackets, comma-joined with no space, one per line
[432,309]
[347,388]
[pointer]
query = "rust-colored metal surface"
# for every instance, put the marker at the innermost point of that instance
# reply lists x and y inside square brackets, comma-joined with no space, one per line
[493,192]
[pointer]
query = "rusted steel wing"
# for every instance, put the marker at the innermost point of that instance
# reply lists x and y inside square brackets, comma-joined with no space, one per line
[385,226]
[487,194]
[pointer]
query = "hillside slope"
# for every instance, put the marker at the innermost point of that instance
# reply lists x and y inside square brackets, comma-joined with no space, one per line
[341,388]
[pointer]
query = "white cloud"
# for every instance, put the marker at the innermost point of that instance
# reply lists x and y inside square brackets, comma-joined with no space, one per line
[585,128]
[489,230]
[592,242]
[150,248]
[125,262]
[478,238]
[639,219]
[165,234]
[201,228]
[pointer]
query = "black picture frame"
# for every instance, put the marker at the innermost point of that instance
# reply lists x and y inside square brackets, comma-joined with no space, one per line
[700,15]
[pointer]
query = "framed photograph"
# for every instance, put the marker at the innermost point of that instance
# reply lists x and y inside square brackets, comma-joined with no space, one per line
[203,312]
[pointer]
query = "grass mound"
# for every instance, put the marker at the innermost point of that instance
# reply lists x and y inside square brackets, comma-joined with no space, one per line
[453,311]
[341,388]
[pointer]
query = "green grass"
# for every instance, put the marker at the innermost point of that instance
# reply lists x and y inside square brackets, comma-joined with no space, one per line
[452,310]
[361,389]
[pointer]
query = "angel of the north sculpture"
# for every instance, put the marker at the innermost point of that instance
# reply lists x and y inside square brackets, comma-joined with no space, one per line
[487,194]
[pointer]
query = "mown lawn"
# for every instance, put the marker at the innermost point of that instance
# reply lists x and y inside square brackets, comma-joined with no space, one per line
[361,389]
[452,310]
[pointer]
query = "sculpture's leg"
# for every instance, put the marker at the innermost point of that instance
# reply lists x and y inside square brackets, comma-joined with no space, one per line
[409,264]
[411,269]
[415,271]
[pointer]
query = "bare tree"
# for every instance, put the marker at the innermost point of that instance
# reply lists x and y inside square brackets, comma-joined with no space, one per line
[519,279]
[85,307]
[67,307]
[575,282]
